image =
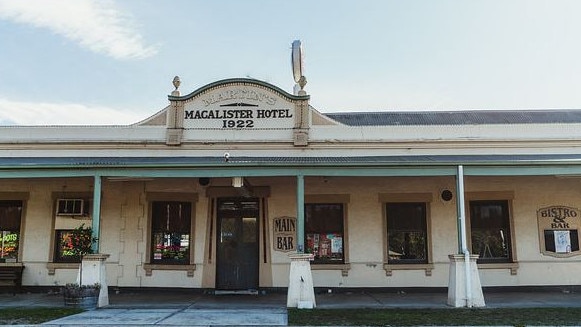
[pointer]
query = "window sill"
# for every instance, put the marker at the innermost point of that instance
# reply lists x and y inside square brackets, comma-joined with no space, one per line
[344,267]
[513,266]
[53,266]
[427,267]
[11,264]
[150,267]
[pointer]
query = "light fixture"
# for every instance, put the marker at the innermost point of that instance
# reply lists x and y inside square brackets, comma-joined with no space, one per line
[237,181]
[203,181]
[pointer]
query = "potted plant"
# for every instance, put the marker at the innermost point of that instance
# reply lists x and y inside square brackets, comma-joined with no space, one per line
[79,242]
[81,296]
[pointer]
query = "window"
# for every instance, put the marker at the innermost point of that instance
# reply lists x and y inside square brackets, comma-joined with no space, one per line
[170,232]
[407,233]
[72,210]
[490,231]
[62,251]
[10,217]
[69,207]
[324,232]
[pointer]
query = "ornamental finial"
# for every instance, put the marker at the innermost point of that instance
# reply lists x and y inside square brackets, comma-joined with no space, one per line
[302,83]
[176,83]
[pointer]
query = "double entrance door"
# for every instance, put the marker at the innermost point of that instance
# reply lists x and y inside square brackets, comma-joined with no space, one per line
[237,244]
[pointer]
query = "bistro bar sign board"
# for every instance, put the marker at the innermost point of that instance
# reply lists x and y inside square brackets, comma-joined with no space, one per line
[559,230]
[285,233]
[239,107]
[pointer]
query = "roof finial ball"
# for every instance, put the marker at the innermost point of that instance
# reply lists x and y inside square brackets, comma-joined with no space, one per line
[302,83]
[176,83]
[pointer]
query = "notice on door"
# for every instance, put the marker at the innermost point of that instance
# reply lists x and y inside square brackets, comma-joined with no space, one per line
[285,233]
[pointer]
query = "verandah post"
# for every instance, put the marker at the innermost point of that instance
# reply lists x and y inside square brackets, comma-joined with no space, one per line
[96,221]
[300,214]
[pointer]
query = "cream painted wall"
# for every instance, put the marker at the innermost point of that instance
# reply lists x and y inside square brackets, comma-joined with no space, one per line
[124,230]
[38,227]
[530,194]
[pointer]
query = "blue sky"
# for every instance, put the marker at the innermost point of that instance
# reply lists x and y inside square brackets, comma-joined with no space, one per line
[112,62]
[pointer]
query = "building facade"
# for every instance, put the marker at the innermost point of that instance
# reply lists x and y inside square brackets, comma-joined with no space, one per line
[218,188]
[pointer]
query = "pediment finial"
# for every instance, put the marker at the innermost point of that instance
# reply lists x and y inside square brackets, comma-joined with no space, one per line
[176,83]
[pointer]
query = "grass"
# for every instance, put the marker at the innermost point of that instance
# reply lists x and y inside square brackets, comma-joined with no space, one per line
[24,316]
[367,317]
[431,317]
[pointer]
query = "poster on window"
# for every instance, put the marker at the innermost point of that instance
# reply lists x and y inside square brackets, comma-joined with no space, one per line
[8,246]
[336,244]
[562,241]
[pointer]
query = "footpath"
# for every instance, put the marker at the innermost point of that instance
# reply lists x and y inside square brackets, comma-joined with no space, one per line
[186,309]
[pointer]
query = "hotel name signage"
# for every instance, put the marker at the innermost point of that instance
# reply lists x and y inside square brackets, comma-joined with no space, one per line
[285,233]
[239,108]
[559,230]
[239,94]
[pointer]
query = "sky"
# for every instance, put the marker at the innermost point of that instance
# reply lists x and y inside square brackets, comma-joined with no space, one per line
[108,62]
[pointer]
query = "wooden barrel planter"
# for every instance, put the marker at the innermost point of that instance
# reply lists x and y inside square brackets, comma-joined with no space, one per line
[84,297]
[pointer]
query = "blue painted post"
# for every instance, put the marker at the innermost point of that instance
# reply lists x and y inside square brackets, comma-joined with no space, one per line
[461,223]
[300,214]
[96,222]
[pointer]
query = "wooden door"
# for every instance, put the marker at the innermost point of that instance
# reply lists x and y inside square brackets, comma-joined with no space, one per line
[237,244]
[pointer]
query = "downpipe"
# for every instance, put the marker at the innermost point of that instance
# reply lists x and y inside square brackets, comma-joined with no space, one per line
[463,239]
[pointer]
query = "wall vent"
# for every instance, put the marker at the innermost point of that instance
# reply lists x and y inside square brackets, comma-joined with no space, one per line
[70,207]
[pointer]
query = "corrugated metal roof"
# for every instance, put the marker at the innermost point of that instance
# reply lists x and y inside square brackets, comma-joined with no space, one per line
[474,117]
[125,162]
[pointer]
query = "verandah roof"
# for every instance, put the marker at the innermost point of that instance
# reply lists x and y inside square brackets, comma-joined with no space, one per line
[421,165]
[187,161]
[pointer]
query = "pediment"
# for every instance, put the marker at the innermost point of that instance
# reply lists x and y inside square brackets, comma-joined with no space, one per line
[239,104]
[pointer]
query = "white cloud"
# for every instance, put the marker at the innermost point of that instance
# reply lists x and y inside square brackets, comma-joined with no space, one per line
[96,25]
[30,113]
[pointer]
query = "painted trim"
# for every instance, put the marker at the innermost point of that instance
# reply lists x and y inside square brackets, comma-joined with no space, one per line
[405,197]
[230,172]
[327,198]
[231,81]
[18,196]
[155,171]
[229,191]
[300,213]
[524,170]
[96,216]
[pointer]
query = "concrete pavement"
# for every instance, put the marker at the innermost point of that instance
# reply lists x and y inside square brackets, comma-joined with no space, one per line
[170,308]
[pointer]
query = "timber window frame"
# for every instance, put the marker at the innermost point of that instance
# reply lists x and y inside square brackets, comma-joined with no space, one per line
[160,198]
[505,197]
[11,235]
[407,232]
[341,200]
[426,199]
[66,223]
[490,231]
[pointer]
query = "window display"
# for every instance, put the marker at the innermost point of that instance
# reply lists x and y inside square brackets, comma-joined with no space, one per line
[490,231]
[10,216]
[324,232]
[407,233]
[171,223]
[72,244]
